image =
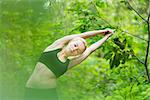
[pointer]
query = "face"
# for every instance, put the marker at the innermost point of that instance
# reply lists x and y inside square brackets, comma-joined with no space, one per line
[75,48]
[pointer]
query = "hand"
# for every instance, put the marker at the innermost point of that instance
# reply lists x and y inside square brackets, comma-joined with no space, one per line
[108,31]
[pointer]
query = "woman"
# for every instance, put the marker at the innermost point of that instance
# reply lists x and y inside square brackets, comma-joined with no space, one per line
[55,61]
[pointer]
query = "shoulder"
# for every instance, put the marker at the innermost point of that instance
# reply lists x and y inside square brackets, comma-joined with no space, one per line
[51,49]
[55,45]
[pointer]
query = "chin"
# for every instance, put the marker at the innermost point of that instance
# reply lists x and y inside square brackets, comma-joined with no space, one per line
[73,56]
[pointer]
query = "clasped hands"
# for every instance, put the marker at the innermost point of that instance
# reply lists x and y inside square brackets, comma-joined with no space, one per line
[109,31]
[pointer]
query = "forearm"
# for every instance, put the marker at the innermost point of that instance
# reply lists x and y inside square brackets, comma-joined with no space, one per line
[84,35]
[96,45]
[87,34]
[92,33]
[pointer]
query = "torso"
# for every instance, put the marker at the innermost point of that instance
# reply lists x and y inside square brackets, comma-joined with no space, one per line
[42,78]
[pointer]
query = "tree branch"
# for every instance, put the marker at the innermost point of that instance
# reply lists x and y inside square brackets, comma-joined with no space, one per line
[145,63]
[148,41]
[132,34]
[138,59]
[147,50]
[116,26]
[126,1]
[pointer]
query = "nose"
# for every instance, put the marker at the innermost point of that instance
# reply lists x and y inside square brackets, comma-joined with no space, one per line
[75,48]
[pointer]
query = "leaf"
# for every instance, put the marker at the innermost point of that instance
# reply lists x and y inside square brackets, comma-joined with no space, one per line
[122,1]
[115,61]
[119,43]
[131,52]
[125,56]
[108,55]
[123,44]
[111,63]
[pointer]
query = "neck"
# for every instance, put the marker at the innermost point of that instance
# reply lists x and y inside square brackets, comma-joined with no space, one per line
[62,55]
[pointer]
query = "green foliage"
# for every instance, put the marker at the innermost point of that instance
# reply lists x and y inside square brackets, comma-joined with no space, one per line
[111,73]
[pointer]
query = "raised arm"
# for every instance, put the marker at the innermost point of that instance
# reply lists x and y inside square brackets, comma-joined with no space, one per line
[63,41]
[84,35]
[96,45]
[87,52]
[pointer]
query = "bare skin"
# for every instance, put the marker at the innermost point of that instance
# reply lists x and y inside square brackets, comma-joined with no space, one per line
[43,78]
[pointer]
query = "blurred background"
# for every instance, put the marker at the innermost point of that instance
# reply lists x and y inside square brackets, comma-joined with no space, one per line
[112,72]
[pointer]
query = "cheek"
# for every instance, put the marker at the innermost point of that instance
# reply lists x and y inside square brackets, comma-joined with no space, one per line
[76,53]
[67,50]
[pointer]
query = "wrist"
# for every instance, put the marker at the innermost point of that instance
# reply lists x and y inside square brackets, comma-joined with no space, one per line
[106,32]
[108,35]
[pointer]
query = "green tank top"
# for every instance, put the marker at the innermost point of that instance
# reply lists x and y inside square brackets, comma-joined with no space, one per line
[51,60]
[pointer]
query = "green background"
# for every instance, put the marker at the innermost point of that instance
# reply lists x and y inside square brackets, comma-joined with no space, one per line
[27,27]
